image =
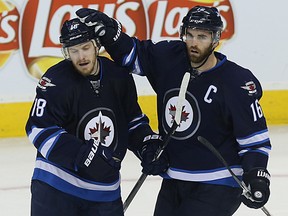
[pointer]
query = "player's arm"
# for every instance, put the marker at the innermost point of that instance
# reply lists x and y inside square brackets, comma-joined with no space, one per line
[45,129]
[109,31]
[252,136]
[123,49]
[249,122]
[143,142]
[50,129]
[254,151]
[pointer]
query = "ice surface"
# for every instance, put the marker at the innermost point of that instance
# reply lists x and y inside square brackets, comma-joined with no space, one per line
[17,162]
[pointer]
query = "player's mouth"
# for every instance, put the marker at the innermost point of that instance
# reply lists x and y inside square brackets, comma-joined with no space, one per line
[194,51]
[83,64]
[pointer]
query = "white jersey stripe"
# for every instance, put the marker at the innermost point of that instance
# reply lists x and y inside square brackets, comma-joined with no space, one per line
[45,147]
[74,180]
[256,138]
[203,176]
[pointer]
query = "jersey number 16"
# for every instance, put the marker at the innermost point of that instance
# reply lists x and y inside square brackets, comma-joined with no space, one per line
[256,110]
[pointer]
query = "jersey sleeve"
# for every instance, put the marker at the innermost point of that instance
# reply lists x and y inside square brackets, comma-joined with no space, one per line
[138,125]
[249,124]
[47,120]
[138,56]
[123,52]
[144,57]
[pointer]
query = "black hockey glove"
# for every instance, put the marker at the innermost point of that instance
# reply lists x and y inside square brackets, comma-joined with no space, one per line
[107,29]
[258,181]
[93,149]
[151,145]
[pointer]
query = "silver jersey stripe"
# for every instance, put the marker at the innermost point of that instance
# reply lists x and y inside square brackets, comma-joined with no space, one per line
[74,180]
[137,69]
[203,176]
[128,59]
[137,118]
[35,131]
[262,149]
[254,139]
[45,147]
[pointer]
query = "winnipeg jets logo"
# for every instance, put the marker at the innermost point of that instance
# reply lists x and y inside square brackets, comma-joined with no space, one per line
[186,115]
[100,131]
[44,82]
[172,112]
[100,128]
[190,114]
[250,87]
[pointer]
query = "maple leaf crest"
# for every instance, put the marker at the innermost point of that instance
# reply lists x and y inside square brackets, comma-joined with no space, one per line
[100,132]
[172,112]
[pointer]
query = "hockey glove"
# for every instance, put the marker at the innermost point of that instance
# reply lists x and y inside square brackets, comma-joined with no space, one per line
[107,29]
[151,145]
[93,149]
[258,181]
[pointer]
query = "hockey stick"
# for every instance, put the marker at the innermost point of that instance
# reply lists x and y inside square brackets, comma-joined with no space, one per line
[247,192]
[166,139]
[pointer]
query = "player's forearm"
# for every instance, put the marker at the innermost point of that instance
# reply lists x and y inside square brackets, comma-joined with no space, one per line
[123,52]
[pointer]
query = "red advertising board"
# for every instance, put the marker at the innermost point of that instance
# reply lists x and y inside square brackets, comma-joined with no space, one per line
[36,31]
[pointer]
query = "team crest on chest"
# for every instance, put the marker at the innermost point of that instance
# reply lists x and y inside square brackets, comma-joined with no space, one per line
[190,115]
[101,128]
[186,114]
[100,125]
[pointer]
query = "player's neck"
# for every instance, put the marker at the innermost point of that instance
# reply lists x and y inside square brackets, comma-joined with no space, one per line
[96,69]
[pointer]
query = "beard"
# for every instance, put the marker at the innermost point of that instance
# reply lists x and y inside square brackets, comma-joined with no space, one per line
[88,69]
[201,55]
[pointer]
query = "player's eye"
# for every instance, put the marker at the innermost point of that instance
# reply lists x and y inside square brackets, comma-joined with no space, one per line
[73,50]
[202,37]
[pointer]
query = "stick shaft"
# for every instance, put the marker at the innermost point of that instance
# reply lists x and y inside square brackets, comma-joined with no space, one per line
[134,191]
[247,192]
[176,123]
[143,175]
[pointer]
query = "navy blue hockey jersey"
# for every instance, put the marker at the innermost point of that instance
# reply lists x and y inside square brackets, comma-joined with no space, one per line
[68,110]
[222,105]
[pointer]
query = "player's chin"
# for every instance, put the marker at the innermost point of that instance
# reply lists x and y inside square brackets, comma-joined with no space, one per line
[84,71]
[194,59]
[197,58]
[194,55]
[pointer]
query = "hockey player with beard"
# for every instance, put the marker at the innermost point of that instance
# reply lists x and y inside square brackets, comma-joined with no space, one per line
[84,117]
[222,105]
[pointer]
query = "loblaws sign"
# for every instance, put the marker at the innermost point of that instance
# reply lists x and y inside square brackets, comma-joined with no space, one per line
[41,21]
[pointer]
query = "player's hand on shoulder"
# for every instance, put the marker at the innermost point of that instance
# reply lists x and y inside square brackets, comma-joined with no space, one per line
[258,181]
[151,145]
[107,29]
